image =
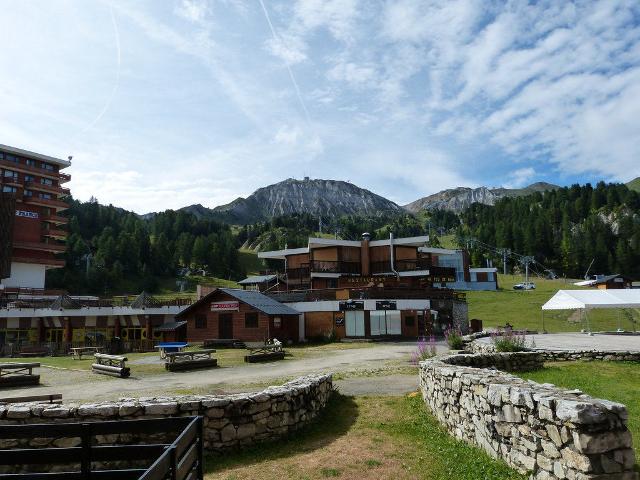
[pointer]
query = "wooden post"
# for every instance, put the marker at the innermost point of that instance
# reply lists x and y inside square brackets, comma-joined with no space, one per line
[85,459]
[200,426]
[116,327]
[68,330]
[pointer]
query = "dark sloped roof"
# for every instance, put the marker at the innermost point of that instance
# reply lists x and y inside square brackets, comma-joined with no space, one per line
[257,279]
[170,326]
[261,302]
[144,300]
[256,299]
[65,302]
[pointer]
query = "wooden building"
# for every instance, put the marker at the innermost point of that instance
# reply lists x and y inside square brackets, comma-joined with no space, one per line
[245,315]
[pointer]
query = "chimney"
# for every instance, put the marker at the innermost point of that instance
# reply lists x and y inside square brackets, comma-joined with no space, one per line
[364,255]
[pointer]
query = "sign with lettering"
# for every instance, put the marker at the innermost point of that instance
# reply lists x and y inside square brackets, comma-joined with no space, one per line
[26,214]
[339,316]
[351,305]
[225,306]
[385,305]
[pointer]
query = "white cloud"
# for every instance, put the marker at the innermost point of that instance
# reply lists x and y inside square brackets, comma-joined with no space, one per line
[195,11]
[521,177]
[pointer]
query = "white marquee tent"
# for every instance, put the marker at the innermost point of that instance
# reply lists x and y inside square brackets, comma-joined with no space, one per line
[590,299]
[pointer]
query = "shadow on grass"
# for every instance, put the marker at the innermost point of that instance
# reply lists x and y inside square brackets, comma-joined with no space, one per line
[334,421]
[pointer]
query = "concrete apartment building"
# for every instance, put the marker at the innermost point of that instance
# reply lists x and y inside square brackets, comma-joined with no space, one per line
[33,198]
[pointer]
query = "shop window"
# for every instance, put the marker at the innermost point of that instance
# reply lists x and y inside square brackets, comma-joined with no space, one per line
[55,335]
[251,320]
[201,321]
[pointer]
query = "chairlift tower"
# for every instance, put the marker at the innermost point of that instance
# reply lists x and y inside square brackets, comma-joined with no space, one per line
[526,261]
[505,252]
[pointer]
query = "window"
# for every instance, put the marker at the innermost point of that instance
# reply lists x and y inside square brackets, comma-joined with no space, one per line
[45,196]
[9,174]
[277,322]
[28,178]
[46,181]
[29,162]
[201,321]
[28,193]
[251,320]
[7,189]
[410,321]
[11,158]
[47,166]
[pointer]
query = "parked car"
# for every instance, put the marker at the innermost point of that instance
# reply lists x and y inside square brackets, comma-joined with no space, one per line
[525,286]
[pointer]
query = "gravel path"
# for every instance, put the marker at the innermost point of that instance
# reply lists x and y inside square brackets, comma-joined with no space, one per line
[85,386]
[582,341]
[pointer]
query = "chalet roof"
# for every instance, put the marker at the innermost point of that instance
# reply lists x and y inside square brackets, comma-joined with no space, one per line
[65,302]
[170,326]
[258,279]
[255,299]
[144,300]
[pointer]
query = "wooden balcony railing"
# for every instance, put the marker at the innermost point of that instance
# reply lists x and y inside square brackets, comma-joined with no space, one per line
[30,169]
[329,266]
[41,246]
[411,265]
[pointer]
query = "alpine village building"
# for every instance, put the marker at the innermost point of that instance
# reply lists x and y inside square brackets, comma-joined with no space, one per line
[391,288]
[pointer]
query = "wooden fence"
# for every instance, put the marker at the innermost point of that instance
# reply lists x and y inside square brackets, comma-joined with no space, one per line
[180,460]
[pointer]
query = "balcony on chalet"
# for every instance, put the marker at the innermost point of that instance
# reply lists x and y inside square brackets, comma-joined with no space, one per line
[41,246]
[412,265]
[57,219]
[54,233]
[64,177]
[43,187]
[367,293]
[329,266]
[31,169]
[301,273]
[12,181]
[45,202]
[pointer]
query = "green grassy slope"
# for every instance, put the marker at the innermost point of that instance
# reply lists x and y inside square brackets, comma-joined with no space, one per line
[634,184]
[522,309]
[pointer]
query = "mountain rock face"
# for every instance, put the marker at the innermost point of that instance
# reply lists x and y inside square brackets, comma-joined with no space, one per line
[457,199]
[313,196]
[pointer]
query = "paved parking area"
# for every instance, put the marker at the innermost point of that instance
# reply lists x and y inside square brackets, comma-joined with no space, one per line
[583,341]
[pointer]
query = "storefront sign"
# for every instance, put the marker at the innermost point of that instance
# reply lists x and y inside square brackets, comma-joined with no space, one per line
[26,214]
[351,305]
[225,306]
[339,319]
[386,305]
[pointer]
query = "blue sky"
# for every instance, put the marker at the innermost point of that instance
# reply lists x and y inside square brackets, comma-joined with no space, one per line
[166,104]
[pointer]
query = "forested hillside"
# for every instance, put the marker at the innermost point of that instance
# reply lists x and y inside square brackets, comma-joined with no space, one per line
[565,229]
[123,251]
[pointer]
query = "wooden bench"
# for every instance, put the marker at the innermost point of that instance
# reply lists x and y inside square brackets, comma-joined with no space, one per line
[33,352]
[190,360]
[112,365]
[18,374]
[224,343]
[53,398]
[265,353]
[77,352]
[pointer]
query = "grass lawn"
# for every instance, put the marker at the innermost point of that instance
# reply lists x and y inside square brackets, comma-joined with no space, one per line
[364,438]
[522,309]
[617,381]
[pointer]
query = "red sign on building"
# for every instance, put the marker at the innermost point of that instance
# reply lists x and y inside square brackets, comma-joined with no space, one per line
[225,306]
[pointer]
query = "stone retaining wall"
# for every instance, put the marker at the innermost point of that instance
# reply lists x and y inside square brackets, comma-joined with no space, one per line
[550,432]
[229,420]
[566,355]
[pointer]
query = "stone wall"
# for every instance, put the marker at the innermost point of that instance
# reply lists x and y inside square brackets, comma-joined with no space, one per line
[229,420]
[550,432]
[565,355]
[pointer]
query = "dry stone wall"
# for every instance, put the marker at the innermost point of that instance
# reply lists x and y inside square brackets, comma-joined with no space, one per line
[549,432]
[229,420]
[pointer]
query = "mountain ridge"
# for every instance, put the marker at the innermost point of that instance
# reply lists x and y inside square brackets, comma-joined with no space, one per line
[459,198]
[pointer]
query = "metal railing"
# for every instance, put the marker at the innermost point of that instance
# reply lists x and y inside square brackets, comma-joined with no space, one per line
[181,459]
[365,293]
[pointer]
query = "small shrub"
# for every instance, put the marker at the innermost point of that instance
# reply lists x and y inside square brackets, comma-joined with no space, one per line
[425,350]
[509,341]
[454,338]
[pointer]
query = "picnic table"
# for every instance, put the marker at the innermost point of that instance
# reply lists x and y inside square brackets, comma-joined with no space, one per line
[189,360]
[269,351]
[77,352]
[18,374]
[170,347]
